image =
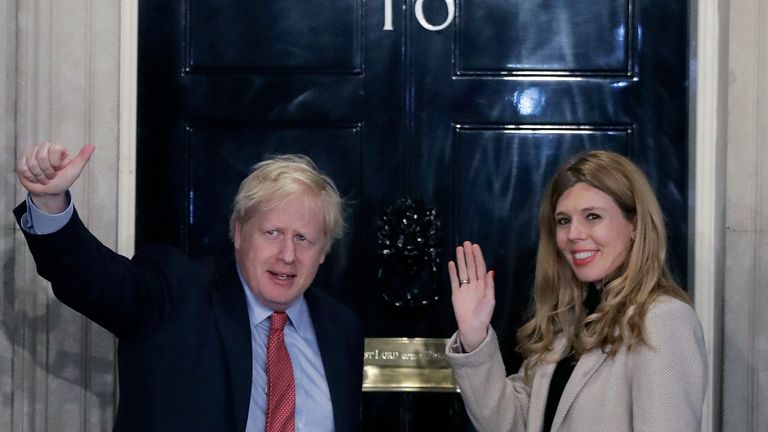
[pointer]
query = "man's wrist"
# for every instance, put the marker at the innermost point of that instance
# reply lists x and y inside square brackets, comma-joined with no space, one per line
[51,204]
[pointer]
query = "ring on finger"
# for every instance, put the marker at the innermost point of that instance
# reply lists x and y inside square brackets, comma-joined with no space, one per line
[463,282]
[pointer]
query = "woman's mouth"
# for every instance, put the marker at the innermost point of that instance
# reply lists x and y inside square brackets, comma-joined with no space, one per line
[582,258]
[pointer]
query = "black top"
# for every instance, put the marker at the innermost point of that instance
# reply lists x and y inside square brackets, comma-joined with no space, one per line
[565,366]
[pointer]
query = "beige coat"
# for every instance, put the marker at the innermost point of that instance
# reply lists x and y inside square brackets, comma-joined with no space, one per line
[654,389]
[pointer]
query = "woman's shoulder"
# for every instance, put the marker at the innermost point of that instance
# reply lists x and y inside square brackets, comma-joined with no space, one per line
[668,306]
[668,314]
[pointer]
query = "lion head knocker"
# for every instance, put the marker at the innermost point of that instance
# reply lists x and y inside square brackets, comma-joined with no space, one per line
[408,253]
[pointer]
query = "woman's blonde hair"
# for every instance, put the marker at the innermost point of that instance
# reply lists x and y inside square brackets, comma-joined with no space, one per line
[274,180]
[627,293]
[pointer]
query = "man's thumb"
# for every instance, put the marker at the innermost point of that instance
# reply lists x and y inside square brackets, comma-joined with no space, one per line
[82,158]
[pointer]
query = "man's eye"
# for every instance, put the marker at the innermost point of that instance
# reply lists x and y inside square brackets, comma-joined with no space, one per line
[270,233]
[304,240]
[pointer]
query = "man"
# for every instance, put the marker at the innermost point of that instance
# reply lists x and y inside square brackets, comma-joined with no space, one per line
[194,335]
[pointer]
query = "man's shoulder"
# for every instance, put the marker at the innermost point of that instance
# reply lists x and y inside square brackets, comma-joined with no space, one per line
[170,255]
[321,304]
[182,274]
[316,298]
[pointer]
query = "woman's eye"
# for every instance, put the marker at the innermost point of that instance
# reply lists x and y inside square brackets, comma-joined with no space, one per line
[562,221]
[593,217]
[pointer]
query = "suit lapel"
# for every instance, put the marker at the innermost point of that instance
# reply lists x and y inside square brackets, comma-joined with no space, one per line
[331,348]
[585,368]
[229,305]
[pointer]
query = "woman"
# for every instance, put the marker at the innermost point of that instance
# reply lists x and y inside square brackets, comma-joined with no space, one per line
[613,344]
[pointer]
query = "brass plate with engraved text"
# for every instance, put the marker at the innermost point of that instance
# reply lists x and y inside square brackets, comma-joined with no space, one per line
[407,365]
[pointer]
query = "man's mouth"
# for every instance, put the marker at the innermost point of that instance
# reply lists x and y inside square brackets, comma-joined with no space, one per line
[282,276]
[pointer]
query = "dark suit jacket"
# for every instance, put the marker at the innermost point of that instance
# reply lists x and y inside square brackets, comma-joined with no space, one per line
[184,344]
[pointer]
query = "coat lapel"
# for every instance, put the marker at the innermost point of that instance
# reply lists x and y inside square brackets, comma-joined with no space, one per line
[585,368]
[540,390]
[229,305]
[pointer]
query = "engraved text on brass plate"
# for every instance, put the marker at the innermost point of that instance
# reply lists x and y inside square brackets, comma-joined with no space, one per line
[407,365]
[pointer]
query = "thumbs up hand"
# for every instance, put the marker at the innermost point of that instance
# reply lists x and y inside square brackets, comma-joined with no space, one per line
[47,171]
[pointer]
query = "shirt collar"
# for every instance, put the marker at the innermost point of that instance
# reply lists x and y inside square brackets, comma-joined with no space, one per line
[298,312]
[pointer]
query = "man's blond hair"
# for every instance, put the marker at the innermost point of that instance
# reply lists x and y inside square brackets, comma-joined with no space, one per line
[276,179]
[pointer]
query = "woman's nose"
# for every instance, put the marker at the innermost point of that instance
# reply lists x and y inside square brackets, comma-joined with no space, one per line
[576,230]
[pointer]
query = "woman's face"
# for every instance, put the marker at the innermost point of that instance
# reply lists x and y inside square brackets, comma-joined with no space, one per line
[592,233]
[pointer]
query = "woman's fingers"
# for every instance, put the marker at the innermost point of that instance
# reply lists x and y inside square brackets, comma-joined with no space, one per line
[490,287]
[453,276]
[471,266]
[461,264]
[477,255]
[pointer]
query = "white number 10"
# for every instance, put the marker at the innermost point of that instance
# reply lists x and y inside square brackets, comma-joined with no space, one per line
[419,12]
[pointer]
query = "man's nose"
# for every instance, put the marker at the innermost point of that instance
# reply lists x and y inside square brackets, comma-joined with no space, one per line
[287,252]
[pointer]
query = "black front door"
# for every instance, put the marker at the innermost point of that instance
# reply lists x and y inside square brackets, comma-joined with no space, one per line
[463,107]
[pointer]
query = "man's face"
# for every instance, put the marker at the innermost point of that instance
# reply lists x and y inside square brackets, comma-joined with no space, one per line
[280,249]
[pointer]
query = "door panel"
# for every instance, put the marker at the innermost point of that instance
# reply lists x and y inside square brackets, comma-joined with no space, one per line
[543,37]
[469,121]
[312,36]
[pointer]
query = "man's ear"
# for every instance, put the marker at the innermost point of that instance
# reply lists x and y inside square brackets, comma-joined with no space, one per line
[327,248]
[238,230]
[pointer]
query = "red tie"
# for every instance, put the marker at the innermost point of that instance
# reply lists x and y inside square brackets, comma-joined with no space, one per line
[281,394]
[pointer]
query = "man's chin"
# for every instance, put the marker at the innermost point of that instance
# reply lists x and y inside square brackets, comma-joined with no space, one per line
[281,303]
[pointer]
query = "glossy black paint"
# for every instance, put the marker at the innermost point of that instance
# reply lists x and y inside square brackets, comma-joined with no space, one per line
[472,120]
